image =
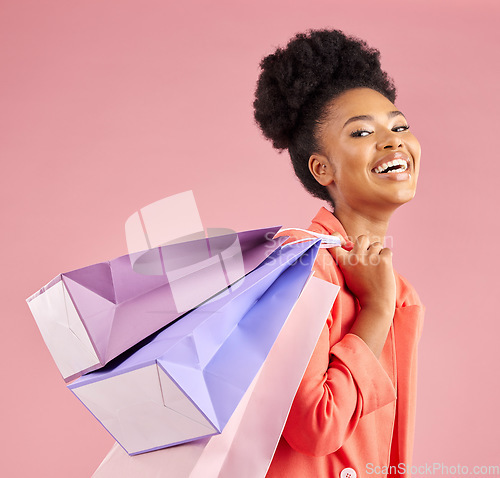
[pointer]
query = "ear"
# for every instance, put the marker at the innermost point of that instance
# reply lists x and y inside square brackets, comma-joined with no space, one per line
[321,169]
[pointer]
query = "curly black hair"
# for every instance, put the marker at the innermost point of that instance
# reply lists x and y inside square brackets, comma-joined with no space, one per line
[297,82]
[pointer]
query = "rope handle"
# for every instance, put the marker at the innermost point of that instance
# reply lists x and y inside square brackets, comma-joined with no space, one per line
[327,241]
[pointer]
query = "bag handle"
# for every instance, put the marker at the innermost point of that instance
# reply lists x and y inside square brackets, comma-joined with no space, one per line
[327,241]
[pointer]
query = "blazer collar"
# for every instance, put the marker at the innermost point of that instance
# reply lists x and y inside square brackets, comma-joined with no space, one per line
[328,222]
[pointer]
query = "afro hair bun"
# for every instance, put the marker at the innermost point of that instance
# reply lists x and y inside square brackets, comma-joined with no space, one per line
[297,81]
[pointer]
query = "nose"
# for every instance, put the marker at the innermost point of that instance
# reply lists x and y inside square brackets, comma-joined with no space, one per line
[390,140]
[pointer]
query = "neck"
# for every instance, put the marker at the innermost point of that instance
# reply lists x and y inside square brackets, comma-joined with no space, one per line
[356,223]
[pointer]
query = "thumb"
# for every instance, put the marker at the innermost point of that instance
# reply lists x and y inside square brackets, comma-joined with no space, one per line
[339,254]
[345,243]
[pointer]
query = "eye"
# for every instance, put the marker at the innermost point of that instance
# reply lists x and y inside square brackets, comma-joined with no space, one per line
[360,133]
[401,129]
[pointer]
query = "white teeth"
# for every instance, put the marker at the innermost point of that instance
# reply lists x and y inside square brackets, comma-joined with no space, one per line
[397,162]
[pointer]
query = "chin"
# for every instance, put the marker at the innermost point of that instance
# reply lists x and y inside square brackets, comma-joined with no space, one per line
[403,197]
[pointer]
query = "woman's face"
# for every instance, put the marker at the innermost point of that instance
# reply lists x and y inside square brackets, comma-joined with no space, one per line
[370,159]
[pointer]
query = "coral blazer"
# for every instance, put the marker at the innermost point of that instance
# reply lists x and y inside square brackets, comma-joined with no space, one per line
[353,414]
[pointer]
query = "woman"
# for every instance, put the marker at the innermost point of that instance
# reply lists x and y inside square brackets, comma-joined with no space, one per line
[327,101]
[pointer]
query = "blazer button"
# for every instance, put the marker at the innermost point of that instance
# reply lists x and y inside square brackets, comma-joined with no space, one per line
[347,473]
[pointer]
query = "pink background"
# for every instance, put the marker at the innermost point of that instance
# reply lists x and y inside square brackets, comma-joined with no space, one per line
[108,106]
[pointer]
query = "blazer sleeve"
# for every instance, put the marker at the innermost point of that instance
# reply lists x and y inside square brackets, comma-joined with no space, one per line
[343,382]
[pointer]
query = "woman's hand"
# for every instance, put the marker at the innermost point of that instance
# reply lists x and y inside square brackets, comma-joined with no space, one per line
[369,275]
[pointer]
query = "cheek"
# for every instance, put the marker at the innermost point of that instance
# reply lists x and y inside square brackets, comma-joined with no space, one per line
[349,162]
[414,148]
[354,169]
[351,178]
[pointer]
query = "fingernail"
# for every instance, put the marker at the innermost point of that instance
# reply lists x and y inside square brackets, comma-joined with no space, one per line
[348,246]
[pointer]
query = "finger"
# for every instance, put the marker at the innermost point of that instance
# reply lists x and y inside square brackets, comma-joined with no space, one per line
[346,244]
[375,247]
[339,236]
[361,244]
[386,253]
[339,255]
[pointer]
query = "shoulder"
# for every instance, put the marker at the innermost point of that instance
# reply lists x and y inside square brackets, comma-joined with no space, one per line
[407,295]
[409,302]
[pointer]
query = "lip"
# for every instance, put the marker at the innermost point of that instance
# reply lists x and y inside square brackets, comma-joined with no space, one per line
[392,157]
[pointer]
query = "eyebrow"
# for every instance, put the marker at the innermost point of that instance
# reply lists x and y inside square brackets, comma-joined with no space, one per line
[391,114]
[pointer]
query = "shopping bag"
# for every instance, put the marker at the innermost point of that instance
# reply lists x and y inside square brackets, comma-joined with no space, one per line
[91,315]
[247,444]
[188,380]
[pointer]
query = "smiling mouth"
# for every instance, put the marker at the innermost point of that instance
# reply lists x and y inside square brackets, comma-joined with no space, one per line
[395,166]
